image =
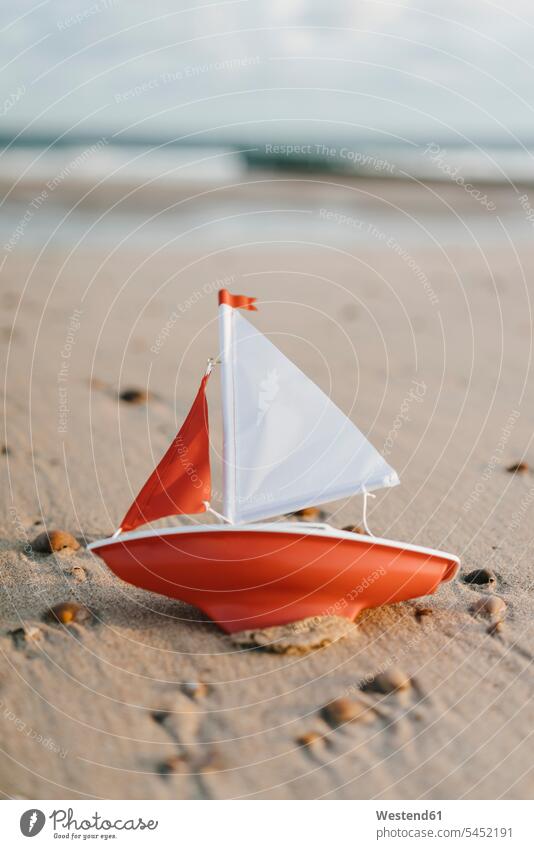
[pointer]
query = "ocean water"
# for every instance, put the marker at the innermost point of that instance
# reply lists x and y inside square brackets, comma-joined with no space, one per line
[178,197]
[191,111]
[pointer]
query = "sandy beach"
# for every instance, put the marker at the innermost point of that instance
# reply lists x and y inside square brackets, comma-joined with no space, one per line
[425,339]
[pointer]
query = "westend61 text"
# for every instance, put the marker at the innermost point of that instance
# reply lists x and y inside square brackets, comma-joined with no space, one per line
[408,815]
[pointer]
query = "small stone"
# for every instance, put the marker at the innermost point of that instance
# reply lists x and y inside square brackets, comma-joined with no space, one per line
[134,396]
[341,711]
[5,450]
[160,716]
[50,541]
[212,763]
[496,628]
[518,468]
[390,681]
[354,529]
[490,606]
[309,739]
[97,383]
[481,576]
[79,574]
[310,514]
[69,612]
[174,764]
[26,635]
[422,613]
[195,689]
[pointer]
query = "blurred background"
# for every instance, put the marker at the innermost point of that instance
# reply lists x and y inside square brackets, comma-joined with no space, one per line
[115,101]
[367,164]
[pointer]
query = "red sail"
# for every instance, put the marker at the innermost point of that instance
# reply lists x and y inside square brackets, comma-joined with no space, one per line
[182,480]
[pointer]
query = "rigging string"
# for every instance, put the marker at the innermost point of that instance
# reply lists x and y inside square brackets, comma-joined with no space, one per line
[366,495]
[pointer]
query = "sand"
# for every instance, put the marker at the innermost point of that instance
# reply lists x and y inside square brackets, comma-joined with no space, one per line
[437,373]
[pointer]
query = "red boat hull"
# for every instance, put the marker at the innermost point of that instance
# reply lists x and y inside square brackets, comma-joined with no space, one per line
[258,576]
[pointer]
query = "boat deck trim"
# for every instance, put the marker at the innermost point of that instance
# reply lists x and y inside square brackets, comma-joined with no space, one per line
[297,528]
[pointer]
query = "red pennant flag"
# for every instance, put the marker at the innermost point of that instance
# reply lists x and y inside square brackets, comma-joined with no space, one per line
[237,301]
[182,480]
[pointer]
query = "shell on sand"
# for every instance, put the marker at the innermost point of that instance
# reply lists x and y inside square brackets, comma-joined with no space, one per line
[390,681]
[69,612]
[298,637]
[96,383]
[134,396]
[50,541]
[489,606]
[421,613]
[310,514]
[496,627]
[309,739]
[518,468]
[345,710]
[481,576]
[26,635]
[160,716]
[195,689]
[355,529]
[174,764]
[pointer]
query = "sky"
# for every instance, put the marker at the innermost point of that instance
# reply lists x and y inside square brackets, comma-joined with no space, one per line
[279,70]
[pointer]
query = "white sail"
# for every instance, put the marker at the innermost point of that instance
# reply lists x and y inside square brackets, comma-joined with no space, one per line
[286,445]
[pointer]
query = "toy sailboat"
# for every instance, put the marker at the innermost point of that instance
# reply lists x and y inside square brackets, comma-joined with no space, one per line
[286,446]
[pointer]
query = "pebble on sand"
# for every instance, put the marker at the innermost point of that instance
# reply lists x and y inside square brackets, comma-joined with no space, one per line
[309,739]
[96,383]
[134,396]
[174,764]
[344,710]
[212,763]
[490,606]
[421,613]
[50,541]
[310,514]
[195,689]
[26,635]
[354,529]
[390,681]
[481,576]
[518,468]
[69,612]
[78,573]
[160,716]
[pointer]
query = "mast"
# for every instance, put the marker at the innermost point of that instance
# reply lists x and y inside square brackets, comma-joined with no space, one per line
[228,303]
[226,321]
